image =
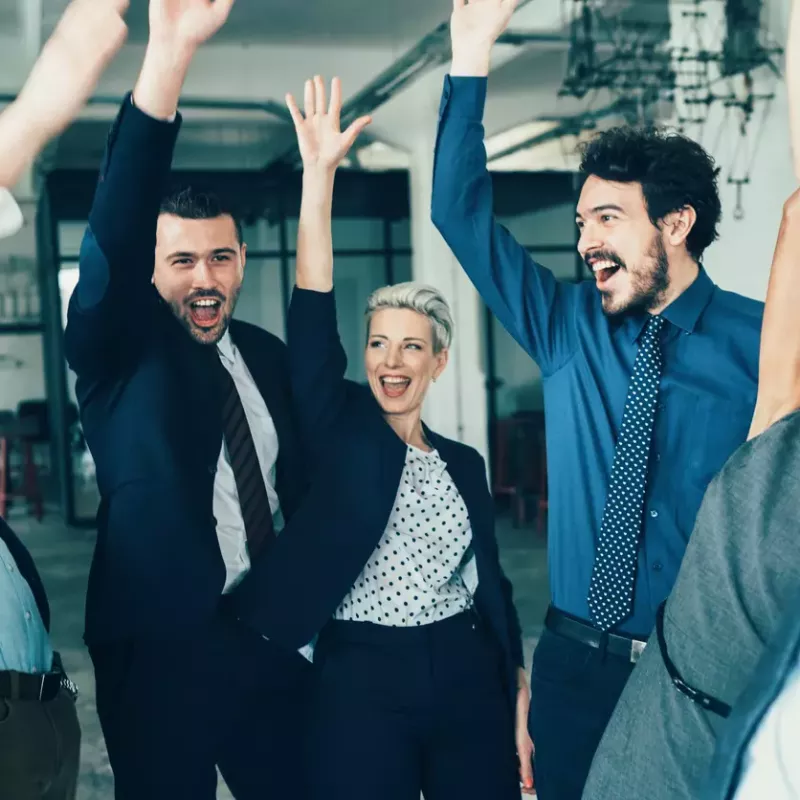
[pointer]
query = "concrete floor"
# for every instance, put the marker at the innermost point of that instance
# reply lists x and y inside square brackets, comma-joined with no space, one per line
[63,557]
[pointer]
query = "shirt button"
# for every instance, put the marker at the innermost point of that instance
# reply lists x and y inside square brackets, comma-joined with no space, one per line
[10,567]
[34,670]
[27,615]
[658,456]
[658,566]
[654,513]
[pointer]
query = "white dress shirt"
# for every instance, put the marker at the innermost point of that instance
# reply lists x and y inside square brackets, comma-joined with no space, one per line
[227,511]
[417,574]
[772,769]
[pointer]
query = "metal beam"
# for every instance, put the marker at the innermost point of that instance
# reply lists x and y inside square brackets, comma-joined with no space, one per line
[430,52]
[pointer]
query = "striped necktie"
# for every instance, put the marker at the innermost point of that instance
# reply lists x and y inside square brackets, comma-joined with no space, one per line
[250,486]
[614,573]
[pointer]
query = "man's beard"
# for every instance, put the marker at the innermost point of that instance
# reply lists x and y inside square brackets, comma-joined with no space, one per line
[209,336]
[648,287]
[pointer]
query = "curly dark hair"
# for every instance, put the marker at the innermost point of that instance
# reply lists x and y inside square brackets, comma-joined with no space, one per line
[674,172]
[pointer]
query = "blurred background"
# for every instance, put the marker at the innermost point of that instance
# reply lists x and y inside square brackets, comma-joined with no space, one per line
[565,69]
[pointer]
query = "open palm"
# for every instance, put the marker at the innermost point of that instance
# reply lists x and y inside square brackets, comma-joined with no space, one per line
[478,23]
[191,22]
[321,141]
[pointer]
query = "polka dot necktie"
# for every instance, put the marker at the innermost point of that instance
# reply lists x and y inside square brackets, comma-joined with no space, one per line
[611,587]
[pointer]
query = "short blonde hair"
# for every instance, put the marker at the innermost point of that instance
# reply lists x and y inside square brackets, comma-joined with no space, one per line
[417,297]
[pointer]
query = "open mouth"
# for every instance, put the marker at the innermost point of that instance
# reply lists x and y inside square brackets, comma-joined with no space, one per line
[205,312]
[604,270]
[394,385]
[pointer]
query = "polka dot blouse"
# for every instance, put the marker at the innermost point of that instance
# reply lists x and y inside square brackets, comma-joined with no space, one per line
[414,575]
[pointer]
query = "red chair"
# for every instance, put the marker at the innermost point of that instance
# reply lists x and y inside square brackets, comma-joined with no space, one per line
[23,432]
[518,459]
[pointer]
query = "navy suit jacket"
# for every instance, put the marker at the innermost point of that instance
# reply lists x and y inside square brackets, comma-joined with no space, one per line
[357,461]
[776,665]
[150,414]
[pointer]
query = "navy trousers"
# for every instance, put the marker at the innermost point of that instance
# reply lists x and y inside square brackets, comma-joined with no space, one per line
[407,710]
[574,689]
[173,709]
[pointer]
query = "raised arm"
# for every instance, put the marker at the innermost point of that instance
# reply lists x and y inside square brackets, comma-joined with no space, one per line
[537,310]
[86,38]
[779,365]
[108,314]
[316,358]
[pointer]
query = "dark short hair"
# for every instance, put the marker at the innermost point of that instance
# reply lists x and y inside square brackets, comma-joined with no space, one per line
[190,203]
[673,170]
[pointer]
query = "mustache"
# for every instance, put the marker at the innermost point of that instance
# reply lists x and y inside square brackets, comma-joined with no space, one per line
[604,255]
[204,294]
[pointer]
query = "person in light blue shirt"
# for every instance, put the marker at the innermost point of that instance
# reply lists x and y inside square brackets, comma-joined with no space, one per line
[39,730]
[649,378]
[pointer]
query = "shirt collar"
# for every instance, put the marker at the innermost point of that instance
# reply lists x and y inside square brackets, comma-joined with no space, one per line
[226,348]
[684,311]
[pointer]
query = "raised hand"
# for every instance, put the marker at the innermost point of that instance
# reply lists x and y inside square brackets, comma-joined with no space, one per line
[187,23]
[322,143]
[86,38]
[474,28]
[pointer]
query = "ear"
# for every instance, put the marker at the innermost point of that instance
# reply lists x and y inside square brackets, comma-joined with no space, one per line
[678,225]
[441,362]
[243,254]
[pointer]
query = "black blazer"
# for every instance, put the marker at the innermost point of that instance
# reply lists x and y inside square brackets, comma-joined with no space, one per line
[357,462]
[27,569]
[151,418]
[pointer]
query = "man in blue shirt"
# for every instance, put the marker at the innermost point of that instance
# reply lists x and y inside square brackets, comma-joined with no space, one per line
[649,376]
[39,731]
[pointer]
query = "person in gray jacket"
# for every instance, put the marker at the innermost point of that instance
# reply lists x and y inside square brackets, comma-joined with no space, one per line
[741,571]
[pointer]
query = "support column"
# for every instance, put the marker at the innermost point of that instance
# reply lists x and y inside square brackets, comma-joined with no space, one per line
[456,405]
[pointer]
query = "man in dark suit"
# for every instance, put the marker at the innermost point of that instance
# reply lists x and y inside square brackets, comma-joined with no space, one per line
[187,415]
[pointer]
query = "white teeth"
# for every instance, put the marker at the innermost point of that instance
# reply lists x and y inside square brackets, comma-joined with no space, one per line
[396,380]
[206,303]
[598,265]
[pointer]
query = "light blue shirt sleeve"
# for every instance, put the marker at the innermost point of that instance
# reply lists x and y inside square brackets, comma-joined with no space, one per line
[24,643]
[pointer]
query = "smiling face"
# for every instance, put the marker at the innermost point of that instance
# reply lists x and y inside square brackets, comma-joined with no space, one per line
[198,271]
[621,246]
[400,361]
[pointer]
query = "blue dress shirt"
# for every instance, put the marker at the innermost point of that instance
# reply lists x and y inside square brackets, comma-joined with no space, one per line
[24,643]
[710,346]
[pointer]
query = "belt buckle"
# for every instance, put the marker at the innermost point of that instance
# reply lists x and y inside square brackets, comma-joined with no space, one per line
[41,686]
[637,648]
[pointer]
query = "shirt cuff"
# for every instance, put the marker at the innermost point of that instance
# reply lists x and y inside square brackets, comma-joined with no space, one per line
[463,96]
[11,219]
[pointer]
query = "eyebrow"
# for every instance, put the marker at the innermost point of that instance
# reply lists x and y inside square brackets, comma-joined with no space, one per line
[407,339]
[216,252]
[599,209]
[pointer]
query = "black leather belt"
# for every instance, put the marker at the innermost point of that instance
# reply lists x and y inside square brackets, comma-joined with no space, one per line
[572,628]
[36,688]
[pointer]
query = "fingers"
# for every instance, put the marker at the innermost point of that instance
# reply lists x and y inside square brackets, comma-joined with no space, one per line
[308,99]
[297,117]
[336,101]
[221,9]
[353,131]
[320,103]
